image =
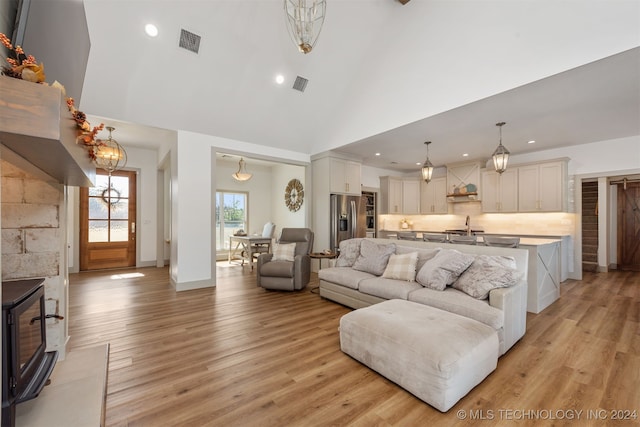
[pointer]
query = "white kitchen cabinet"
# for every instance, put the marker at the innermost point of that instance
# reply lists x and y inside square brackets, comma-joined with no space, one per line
[344,176]
[400,195]
[500,191]
[411,196]
[433,197]
[390,195]
[541,187]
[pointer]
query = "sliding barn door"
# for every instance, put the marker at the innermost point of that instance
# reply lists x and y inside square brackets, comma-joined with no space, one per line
[629,226]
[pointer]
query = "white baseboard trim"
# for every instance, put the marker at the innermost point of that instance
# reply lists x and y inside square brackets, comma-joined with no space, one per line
[189,286]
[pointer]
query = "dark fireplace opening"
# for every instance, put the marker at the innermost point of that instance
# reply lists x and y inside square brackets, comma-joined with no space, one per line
[26,365]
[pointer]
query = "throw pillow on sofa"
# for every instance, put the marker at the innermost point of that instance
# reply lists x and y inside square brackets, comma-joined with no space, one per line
[284,252]
[402,267]
[443,269]
[487,273]
[424,255]
[349,251]
[373,258]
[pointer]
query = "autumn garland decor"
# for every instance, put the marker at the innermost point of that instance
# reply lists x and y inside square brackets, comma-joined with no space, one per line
[25,67]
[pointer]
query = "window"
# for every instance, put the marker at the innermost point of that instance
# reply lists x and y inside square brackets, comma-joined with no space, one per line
[109,209]
[231,216]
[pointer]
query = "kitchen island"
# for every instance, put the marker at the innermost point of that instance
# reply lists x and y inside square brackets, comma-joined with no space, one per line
[545,271]
[543,279]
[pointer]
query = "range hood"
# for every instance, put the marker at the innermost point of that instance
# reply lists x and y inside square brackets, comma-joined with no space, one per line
[35,124]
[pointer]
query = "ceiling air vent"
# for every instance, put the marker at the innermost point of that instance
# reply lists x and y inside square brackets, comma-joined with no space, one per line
[189,41]
[300,83]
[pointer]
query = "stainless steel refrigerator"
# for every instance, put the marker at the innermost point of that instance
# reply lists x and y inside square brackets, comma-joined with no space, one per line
[347,219]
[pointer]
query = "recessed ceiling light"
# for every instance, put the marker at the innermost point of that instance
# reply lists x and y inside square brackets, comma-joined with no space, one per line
[531,142]
[279,79]
[151,30]
[465,155]
[418,163]
[377,154]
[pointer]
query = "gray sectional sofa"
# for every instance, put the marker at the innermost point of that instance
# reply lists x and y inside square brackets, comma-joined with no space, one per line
[356,284]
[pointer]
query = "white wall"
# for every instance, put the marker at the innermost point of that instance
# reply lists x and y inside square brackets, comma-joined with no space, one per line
[192,212]
[494,46]
[282,216]
[145,161]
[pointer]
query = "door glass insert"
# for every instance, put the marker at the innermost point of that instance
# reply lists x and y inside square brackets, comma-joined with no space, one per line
[109,209]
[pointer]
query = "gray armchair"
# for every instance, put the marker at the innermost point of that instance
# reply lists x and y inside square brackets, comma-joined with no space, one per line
[287,275]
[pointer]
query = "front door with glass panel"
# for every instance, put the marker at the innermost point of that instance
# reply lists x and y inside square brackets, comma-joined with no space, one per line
[108,221]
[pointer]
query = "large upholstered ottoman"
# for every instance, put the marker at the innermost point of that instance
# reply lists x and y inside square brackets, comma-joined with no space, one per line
[436,355]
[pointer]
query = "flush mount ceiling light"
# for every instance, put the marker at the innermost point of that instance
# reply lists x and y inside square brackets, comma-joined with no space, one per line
[427,166]
[242,174]
[304,21]
[109,155]
[501,155]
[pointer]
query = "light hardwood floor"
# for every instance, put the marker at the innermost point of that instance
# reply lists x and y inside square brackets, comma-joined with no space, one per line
[238,355]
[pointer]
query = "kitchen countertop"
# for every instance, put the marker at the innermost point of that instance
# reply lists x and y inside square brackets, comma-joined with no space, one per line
[530,241]
[525,240]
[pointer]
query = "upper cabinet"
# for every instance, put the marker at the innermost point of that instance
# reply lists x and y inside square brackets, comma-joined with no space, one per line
[399,195]
[542,187]
[390,195]
[433,196]
[411,196]
[500,191]
[344,176]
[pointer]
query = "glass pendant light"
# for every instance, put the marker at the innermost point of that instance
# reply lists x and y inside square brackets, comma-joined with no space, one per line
[109,155]
[427,166]
[501,155]
[304,21]
[242,174]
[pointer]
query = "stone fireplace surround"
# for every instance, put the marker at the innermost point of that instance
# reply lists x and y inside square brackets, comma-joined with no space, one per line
[33,226]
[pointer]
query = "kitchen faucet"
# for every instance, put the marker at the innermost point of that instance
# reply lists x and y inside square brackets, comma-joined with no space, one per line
[468,225]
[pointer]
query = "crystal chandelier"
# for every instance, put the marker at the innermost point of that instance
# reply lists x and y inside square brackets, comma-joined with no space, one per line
[109,155]
[501,155]
[427,166]
[304,21]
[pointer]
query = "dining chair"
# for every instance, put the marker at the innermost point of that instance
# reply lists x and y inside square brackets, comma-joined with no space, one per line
[502,241]
[438,238]
[463,240]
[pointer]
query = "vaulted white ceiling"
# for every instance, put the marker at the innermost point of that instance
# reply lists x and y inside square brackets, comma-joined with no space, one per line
[383,76]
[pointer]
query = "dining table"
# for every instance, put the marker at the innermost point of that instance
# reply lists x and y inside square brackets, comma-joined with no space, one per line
[244,248]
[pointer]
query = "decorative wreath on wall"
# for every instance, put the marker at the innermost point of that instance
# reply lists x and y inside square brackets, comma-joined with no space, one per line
[294,195]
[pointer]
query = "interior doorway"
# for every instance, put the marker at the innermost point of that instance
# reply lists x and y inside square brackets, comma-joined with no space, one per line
[590,226]
[108,221]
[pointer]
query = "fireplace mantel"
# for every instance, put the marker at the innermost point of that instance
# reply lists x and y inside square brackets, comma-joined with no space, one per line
[36,125]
